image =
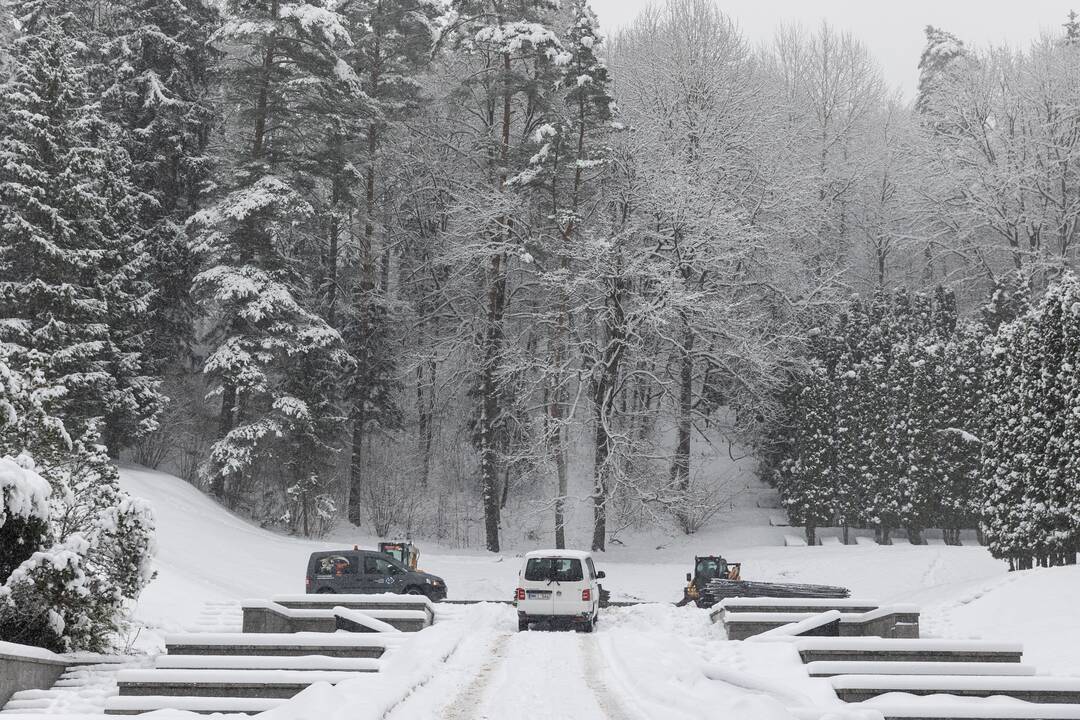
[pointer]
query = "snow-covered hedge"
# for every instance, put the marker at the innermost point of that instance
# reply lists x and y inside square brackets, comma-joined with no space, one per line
[75,549]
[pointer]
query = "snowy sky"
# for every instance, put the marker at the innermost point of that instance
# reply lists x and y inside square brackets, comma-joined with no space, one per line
[893,29]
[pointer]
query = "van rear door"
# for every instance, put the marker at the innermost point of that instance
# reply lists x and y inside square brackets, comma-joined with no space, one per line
[539,589]
[569,580]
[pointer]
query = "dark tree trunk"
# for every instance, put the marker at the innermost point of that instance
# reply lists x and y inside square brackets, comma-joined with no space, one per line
[489,408]
[680,466]
[356,472]
[613,344]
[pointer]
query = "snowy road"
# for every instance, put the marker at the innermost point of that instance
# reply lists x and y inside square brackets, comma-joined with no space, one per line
[651,661]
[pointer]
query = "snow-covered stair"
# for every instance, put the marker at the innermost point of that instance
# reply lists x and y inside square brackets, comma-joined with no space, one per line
[219,617]
[82,689]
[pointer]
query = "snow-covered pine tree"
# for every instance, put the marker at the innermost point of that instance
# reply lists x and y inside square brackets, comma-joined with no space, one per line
[160,93]
[70,242]
[273,359]
[941,50]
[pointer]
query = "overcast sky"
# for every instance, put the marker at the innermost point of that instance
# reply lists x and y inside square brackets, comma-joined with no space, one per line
[892,29]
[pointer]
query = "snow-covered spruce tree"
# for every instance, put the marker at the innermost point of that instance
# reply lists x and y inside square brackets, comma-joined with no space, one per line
[942,48]
[570,153]
[274,360]
[71,248]
[159,91]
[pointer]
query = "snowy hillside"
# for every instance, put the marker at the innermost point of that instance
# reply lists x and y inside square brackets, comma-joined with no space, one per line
[207,554]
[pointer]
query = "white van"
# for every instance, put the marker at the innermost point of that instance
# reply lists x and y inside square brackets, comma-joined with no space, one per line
[558,585]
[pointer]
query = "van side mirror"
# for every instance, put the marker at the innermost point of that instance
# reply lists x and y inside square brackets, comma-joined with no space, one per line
[600,575]
[689,577]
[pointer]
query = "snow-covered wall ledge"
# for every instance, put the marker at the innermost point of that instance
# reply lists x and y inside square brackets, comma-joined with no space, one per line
[25,668]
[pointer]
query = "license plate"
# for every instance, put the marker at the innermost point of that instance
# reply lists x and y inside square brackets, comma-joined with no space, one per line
[538,594]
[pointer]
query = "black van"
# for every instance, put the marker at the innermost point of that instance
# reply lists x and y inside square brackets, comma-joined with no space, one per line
[367,572]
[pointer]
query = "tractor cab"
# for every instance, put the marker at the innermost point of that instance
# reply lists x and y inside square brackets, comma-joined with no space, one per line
[404,552]
[707,568]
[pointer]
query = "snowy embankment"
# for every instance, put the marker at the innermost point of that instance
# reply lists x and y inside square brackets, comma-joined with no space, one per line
[644,662]
[207,554]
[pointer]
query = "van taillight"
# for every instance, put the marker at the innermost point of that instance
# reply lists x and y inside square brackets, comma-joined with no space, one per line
[520,594]
[586,595]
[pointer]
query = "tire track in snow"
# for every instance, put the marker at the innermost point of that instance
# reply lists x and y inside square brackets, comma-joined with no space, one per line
[598,676]
[467,702]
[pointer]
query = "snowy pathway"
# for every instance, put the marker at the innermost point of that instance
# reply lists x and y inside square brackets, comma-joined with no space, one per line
[646,662]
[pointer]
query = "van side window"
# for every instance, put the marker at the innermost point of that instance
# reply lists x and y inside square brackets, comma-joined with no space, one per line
[334,566]
[379,566]
[592,568]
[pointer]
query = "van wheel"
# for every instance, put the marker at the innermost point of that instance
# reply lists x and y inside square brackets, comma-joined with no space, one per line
[587,627]
[326,591]
[523,624]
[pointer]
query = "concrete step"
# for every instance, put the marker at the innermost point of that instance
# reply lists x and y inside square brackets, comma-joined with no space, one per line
[891,621]
[262,616]
[266,662]
[136,704]
[857,688]
[793,605]
[977,710]
[383,601]
[282,684]
[905,650]
[826,668]
[336,644]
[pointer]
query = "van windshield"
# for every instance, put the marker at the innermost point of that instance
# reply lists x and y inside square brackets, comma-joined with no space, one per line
[556,569]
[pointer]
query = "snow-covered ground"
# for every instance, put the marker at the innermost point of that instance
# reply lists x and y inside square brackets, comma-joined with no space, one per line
[648,661]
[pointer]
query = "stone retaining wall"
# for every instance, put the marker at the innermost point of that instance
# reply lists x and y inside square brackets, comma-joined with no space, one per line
[18,672]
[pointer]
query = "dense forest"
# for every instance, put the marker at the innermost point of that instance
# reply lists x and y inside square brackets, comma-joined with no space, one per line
[408,263]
